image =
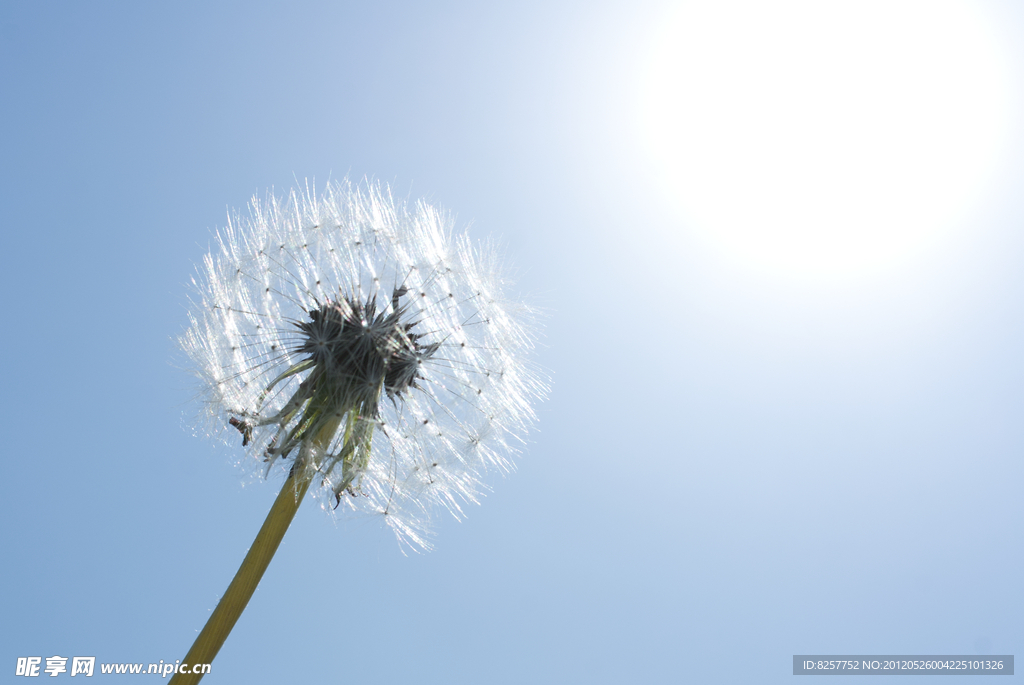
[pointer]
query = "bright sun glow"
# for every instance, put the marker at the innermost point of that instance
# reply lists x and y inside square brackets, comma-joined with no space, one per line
[823,139]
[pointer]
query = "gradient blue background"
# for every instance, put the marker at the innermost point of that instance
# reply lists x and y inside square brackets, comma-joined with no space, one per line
[731,468]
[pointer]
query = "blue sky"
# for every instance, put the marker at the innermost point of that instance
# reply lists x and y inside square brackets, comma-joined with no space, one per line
[732,467]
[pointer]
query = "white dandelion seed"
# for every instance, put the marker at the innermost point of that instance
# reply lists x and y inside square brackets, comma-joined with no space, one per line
[359,342]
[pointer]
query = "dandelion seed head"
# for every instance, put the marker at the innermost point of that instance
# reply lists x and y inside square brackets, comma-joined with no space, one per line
[359,338]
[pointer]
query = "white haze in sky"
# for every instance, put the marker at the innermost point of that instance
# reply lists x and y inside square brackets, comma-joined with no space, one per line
[825,139]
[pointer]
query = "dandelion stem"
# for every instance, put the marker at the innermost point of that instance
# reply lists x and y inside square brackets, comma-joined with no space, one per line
[237,596]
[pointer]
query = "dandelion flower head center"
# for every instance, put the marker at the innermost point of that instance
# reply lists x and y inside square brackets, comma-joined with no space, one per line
[354,354]
[357,350]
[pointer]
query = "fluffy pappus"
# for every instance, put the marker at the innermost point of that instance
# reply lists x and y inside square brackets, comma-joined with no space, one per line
[360,339]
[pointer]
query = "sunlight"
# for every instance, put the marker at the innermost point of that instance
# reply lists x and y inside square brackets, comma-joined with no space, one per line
[823,139]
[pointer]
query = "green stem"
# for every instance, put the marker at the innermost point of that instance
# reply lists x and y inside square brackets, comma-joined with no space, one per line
[237,596]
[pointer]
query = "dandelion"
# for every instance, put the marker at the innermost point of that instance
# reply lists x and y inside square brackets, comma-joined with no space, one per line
[358,343]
